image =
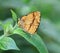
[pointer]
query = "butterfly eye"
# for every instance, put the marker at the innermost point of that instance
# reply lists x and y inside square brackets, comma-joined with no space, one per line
[30,22]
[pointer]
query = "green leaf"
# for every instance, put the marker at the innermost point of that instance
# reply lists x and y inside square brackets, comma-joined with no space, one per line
[33,39]
[6,24]
[8,28]
[7,43]
[14,16]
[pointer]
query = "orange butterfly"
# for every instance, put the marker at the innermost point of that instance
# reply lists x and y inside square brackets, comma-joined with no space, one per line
[30,22]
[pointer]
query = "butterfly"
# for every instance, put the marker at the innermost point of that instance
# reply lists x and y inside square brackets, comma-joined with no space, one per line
[30,22]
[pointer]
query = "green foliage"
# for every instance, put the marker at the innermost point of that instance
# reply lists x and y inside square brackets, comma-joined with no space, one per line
[48,31]
[35,40]
[8,27]
[7,43]
[14,16]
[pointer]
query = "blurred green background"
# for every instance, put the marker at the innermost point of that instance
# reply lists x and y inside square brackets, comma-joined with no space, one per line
[49,28]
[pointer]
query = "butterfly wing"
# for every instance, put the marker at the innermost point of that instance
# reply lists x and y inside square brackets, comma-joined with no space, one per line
[30,22]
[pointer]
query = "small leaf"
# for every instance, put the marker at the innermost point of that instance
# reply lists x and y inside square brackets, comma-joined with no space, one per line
[8,28]
[33,39]
[8,43]
[14,16]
